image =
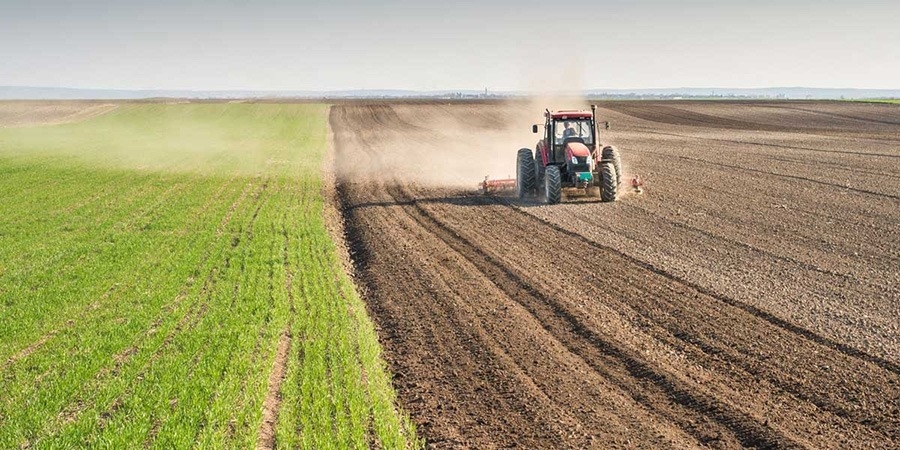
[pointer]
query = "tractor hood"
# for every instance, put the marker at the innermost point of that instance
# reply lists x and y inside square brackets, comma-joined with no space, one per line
[577,149]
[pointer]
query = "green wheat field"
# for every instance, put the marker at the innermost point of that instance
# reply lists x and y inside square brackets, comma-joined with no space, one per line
[154,262]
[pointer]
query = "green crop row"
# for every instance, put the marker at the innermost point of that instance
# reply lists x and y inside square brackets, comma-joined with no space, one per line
[887,100]
[153,260]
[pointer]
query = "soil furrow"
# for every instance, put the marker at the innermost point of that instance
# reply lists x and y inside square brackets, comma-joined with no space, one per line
[774,174]
[772,145]
[753,356]
[672,400]
[781,323]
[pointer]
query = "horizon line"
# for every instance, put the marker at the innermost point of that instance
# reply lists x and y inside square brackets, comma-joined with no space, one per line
[448,90]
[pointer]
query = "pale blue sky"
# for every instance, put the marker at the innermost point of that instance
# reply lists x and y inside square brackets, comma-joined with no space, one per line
[404,44]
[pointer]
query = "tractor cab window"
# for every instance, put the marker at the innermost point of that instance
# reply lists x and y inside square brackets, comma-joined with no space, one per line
[573,128]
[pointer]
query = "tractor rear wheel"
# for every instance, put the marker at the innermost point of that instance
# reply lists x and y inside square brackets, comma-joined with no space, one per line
[609,184]
[552,185]
[524,173]
[612,153]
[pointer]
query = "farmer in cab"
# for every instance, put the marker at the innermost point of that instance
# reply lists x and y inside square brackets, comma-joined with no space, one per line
[569,131]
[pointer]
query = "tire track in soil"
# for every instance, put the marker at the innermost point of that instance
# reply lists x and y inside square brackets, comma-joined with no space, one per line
[750,309]
[676,116]
[844,116]
[272,403]
[777,146]
[473,353]
[639,379]
[791,384]
[444,273]
[774,174]
[787,326]
[667,115]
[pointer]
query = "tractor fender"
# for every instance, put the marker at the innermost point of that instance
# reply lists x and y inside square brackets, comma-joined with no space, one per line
[541,152]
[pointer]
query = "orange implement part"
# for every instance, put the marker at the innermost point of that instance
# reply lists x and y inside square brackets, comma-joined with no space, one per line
[636,183]
[488,186]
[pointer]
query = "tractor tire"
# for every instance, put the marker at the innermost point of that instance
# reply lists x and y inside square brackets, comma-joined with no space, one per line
[552,185]
[612,153]
[609,186]
[538,168]
[525,184]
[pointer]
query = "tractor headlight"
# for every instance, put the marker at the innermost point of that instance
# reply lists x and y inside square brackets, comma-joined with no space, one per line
[574,160]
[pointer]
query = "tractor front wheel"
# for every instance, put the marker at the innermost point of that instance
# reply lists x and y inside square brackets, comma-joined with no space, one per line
[524,173]
[609,182]
[552,185]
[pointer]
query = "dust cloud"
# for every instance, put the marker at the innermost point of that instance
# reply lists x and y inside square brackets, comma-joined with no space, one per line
[451,145]
[445,144]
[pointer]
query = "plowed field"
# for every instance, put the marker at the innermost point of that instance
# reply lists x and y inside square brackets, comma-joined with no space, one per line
[749,298]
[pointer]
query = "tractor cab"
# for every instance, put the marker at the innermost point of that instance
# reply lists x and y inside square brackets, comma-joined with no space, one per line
[578,130]
[566,133]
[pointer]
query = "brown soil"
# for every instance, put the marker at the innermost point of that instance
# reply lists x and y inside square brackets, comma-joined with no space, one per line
[748,299]
[272,404]
[34,113]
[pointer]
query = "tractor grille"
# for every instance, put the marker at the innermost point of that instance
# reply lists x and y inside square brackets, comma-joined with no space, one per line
[581,166]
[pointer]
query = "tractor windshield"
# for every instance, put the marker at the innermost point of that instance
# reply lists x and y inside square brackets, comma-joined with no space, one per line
[574,128]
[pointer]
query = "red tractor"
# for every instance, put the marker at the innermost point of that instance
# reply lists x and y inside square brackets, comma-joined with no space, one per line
[569,160]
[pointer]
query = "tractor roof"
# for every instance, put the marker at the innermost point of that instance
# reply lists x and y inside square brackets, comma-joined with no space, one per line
[570,114]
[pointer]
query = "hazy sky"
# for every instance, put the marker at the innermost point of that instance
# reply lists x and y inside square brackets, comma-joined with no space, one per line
[406,44]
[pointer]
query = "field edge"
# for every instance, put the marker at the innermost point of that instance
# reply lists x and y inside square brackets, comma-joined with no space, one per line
[336,226]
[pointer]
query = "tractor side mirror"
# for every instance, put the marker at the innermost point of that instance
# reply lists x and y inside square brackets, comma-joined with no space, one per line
[534,129]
